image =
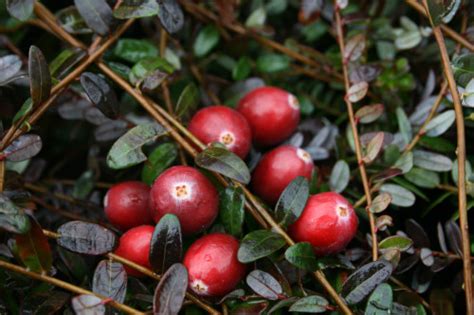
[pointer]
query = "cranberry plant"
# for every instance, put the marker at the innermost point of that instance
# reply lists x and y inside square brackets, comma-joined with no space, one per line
[236,157]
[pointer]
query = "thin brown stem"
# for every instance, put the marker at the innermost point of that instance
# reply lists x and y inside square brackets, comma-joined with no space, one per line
[355,133]
[461,153]
[67,286]
[2,175]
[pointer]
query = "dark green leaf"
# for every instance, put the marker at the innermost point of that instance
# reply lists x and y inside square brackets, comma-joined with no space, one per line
[86,238]
[100,94]
[242,69]
[206,40]
[224,162]
[270,63]
[129,9]
[423,178]
[20,9]
[149,67]
[264,284]
[463,68]
[72,22]
[97,14]
[127,150]
[10,65]
[40,79]
[171,16]
[188,100]
[365,279]
[292,201]
[259,244]
[12,218]
[232,214]
[34,250]
[65,61]
[110,280]
[380,301]
[23,148]
[170,292]
[160,159]
[432,161]
[166,247]
[310,304]
[134,50]
[440,123]
[282,304]
[302,256]
[88,305]
[442,11]
[83,185]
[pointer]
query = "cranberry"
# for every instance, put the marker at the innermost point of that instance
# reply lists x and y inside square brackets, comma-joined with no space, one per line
[273,114]
[277,169]
[212,265]
[188,194]
[126,205]
[134,245]
[225,125]
[328,222]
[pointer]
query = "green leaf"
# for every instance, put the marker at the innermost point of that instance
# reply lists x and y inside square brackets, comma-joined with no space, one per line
[166,247]
[463,68]
[302,256]
[127,150]
[432,161]
[442,11]
[34,250]
[264,284]
[259,244]
[160,159]
[97,14]
[232,213]
[40,79]
[25,109]
[148,67]
[206,40]
[423,178]
[405,162]
[292,201]
[310,304]
[404,125]
[364,280]
[20,9]
[399,242]
[380,301]
[270,63]
[134,50]
[188,100]
[380,203]
[129,9]
[65,61]
[257,18]
[374,147]
[83,185]
[455,170]
[12,218]
[438,125]
[222,161]
[369,113]
[72,22]
[242,69]
[339,178]
[401,196]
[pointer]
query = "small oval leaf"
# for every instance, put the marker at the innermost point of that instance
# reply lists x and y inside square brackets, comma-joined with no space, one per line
[97,14]
[259,244]
[357,91]
[339,178]
[302,256]
[170,292]
[86,238]
[23,148]
[40,78]
[166,247]
[110,280]
[310,304]
[292,201]
[232,212]
[100,94]
[264,284]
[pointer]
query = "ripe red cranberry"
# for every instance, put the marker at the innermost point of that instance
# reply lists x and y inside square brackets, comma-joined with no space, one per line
[126,205]
[225,125]
[277,169]
[212,265]
[273,114]
[328,222]
[188,194]
[134,245]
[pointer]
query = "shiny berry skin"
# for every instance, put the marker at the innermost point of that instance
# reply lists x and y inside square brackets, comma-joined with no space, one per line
[134,245]
[188,194]
[273,114]
[277,169]
[126,205]
[212,265]
[225,125]
[328,222]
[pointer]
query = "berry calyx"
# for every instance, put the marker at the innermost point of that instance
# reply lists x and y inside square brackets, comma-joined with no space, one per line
[134,245]
[126,205]
[272,113]
[225,125]
[188,194]
[277,169]
[328,222]
[212,264]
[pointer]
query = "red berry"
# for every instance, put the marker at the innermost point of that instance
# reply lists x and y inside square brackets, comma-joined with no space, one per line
[134,245]
[126,205]
[273,114]
[328,222]
[188,194]
[212,265]
[277,169]
[225,125]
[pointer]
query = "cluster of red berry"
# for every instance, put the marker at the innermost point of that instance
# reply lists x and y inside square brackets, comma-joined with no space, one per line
[267,116]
